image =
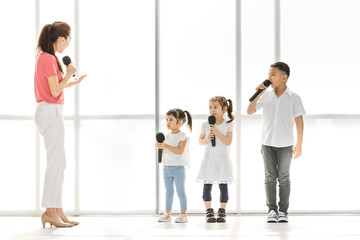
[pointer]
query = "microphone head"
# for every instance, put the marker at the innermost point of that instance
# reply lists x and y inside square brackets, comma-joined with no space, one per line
[66,60]
[266,83]
[160,137]
[211,119]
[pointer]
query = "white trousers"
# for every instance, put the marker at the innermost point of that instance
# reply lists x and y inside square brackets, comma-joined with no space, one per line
[50,122]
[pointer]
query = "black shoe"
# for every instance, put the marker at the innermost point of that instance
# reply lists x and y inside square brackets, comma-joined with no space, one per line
[221,215]
[210,217]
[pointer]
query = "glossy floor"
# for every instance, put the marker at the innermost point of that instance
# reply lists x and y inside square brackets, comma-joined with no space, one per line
[328,227]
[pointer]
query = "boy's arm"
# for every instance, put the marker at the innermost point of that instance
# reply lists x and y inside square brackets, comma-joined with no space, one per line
[300,131]
[252,105]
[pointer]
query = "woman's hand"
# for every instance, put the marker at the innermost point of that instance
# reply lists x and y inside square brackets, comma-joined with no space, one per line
[70,70]
[77,81]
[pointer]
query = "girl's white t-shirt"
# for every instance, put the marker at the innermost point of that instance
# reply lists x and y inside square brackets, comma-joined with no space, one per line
[173,159]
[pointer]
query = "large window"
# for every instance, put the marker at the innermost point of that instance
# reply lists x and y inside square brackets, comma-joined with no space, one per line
[110,118]
[116,50]
[17,132]
[257,53]
[17,47]
[323,52]
[320,45]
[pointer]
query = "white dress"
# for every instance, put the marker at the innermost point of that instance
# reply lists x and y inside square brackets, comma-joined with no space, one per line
[216,166]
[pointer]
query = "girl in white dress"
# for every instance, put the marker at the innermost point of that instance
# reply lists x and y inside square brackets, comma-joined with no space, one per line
[216,166]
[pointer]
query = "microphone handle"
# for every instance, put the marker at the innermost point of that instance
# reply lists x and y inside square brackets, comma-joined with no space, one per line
[159,155]
[256,94]
[213,143]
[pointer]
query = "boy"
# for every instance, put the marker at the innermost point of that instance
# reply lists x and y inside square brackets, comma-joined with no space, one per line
[280,108]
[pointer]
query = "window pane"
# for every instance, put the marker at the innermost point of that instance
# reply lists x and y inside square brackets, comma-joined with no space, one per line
[257,45]
[197,53]
[326,167]
[18,173]
[197,62]
[252,167]
[328,171]
[322,51]
[117,53]
[17,47]
[117,166]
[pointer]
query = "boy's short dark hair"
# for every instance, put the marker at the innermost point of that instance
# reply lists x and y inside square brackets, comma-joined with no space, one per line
[282,67]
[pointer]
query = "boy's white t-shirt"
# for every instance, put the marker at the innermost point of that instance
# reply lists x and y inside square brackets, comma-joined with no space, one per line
[173,159]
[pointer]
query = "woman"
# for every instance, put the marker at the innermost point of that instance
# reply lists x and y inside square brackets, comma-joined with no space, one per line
[49,86]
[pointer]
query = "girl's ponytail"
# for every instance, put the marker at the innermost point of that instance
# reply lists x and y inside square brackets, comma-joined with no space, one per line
[230,110]
[189,119]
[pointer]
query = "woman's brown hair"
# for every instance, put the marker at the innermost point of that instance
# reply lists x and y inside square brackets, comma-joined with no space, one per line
[48,36]
[224,103]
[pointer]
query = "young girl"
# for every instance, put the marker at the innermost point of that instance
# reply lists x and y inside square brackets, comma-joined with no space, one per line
[176,157]
[216,165]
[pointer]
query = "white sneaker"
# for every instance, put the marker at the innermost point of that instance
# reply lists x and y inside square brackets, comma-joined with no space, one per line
[182,218]
[282,217]
[165,218]
[272,217]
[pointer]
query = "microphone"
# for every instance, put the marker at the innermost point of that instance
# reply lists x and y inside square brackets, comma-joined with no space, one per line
[160,138]
[212,120]
[266,84]
[67,61]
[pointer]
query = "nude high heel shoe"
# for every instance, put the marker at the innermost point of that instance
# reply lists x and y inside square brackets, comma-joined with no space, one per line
[54,221]
[71,222]
[66,220]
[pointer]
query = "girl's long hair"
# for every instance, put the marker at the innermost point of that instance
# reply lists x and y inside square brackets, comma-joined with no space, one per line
[48,36]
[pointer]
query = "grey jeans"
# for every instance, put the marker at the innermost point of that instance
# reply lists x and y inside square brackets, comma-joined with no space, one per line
[277,167]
